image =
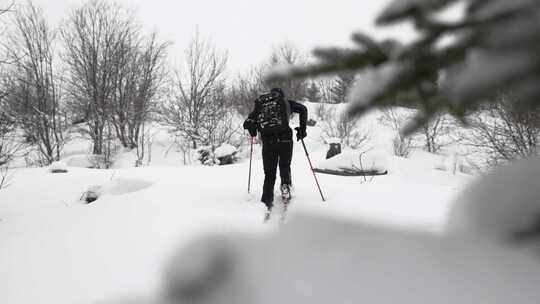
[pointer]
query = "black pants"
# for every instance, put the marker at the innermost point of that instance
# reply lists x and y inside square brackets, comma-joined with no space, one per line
[276,151]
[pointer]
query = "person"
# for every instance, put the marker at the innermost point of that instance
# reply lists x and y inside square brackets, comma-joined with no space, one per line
[277,142]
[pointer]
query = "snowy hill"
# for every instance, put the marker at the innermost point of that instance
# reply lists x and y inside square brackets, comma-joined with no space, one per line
[56,249]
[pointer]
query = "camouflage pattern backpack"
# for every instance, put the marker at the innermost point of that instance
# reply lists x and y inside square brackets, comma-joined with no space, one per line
[273,113]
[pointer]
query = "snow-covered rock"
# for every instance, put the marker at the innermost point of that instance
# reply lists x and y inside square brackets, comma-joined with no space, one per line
[224,150]
[226,154]
[58,167]
[333,140]
[115,187]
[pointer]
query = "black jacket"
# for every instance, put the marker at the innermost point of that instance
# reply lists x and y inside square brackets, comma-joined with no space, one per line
[251,123]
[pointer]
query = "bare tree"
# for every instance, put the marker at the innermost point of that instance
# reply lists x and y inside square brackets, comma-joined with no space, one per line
[34,95]
[284,55]
[195,99]
[349,131]
[4,9]
[342,83]
[396,120]
[503,131]
[313,93]
[245,91]
[325,90]
[138,78]
[436,133]
[247,87]
[10,144]
[95,35]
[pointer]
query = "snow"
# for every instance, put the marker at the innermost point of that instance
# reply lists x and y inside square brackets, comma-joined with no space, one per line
[135,240]
[224,150]
[321,261]
[333,140]
[120,186]
[80,161]
[502,205]
[56,249]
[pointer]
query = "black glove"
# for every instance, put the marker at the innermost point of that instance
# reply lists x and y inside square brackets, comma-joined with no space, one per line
[252,132]
[300,133]
[251,127]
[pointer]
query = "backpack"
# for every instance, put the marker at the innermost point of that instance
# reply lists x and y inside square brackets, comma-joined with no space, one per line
[273,114]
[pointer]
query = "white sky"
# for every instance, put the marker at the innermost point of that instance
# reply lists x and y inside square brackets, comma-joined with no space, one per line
[249,29]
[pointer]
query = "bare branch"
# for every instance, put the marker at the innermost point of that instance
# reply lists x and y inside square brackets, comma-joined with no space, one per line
[197,104]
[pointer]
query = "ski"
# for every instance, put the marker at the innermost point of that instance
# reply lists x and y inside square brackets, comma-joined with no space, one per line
[267,215]
[286,200]
[285,209]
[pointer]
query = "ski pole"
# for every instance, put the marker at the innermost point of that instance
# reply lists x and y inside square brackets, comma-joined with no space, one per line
[250,161]
[313,171]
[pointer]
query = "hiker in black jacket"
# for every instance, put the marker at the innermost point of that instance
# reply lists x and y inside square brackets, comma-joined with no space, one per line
[271,118]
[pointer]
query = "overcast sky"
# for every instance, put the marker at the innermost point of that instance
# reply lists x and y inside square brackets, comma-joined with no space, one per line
[249,29]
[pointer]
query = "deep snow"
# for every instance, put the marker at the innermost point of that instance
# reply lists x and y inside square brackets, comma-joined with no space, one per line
[54,248]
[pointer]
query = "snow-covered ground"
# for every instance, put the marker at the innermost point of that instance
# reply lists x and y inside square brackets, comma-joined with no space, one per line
[55,248]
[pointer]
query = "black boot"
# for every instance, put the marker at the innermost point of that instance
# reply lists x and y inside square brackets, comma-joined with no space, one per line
[285,191]
[267,214]
[268,200]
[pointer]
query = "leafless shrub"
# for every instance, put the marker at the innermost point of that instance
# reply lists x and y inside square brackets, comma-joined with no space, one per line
[436,132]
[10,143]
[334,90]
[225,129]
[6,178]
[402,145]
[432,136]
[4,9]
[349,131]
[396,120]
[503,132]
